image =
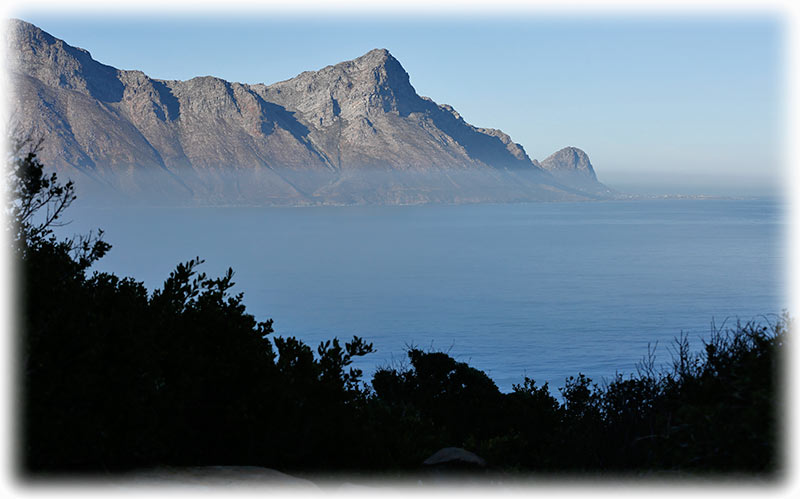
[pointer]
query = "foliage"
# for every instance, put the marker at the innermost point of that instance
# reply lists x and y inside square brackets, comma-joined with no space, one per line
[114,377]
[35,204]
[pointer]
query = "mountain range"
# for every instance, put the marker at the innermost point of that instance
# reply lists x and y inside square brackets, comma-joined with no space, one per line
[352,133]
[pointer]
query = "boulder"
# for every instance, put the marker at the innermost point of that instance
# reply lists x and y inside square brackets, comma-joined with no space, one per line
[455,457]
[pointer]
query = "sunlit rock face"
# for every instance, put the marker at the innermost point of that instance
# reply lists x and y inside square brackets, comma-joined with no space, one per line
[352,133]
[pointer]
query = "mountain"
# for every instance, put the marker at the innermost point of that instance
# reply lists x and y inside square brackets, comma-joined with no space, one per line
[352,133]
[572,166]
[570,161]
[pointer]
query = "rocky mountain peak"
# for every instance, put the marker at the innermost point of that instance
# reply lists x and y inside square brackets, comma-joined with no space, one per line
[369,85]
[380,68]
[352,132]
[56,63]
[375,56]
[569,160]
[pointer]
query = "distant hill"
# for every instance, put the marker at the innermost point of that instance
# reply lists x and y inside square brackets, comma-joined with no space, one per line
[352,133]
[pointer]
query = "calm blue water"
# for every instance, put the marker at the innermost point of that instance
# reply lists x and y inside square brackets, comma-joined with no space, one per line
[543,290]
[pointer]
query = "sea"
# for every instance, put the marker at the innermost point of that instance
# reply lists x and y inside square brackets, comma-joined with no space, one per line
[538,290]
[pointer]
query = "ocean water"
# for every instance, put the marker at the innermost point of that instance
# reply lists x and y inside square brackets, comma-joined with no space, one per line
[544,290]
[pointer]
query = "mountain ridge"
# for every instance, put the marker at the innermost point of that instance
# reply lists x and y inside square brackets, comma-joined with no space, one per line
[354,132]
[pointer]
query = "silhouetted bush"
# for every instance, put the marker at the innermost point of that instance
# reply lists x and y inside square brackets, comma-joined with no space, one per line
[113,377]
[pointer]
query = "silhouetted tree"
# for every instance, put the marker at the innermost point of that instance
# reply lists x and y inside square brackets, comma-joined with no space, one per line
[114,377]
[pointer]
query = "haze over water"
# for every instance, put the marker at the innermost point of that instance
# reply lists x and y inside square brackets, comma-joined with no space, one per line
[546,290]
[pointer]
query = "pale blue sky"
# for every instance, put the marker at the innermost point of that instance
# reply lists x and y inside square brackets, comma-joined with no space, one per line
[692,104]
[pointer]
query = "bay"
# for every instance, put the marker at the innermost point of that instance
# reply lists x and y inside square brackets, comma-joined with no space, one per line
[544,290]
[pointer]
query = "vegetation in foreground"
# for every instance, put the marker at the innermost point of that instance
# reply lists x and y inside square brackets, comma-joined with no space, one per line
[112,377]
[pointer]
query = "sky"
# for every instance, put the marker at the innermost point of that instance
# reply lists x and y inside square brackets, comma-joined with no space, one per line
[682,103]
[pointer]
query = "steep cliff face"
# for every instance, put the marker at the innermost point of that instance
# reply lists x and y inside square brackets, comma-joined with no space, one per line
[369,111]
[355,132]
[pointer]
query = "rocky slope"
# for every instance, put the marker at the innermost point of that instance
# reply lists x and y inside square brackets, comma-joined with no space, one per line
[355,132]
